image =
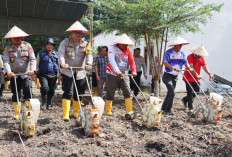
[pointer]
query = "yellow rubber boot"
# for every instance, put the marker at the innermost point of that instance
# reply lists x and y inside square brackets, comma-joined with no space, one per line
[15,104]
[95,91]
[7,85]
[82,104]
[66,108]
[128,103]
[76,108]
[29,104]
[109,107]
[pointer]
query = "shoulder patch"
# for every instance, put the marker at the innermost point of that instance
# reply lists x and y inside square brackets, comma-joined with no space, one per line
[31,49]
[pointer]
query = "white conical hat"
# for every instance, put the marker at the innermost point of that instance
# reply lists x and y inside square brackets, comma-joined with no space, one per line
[199,50]
[77,26]
[124,39]
[178,41]
[15,32]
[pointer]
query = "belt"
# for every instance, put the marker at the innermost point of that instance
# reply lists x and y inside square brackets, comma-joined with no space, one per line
[173,76]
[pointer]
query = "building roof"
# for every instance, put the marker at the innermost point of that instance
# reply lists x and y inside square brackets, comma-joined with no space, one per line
[41,17]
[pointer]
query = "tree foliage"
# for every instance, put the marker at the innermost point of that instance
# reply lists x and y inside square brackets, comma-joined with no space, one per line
[154,20]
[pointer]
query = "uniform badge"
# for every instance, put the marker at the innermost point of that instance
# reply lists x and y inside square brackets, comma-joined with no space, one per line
[127,52]
[173,56]
[10,49]
[24,54]
[5,50]
[70,44]
[31,49]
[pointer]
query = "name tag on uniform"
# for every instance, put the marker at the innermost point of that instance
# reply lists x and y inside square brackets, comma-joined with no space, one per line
[24,54]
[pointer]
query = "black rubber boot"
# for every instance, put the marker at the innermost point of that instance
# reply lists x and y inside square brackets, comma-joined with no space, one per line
[44,102]
[49,103]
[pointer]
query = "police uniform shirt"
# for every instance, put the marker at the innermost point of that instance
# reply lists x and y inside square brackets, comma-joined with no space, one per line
[75,55]
[19,59]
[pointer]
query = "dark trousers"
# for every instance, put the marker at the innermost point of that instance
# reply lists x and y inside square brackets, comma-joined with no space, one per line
[137,80]
[190,94]
[22,84]
[48,85]
[2,84]
[170,82]
[68,87]
[94,79]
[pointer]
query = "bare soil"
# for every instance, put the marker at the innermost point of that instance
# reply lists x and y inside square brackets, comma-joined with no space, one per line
[176,136]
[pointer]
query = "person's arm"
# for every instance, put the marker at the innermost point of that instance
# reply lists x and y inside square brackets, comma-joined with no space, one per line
[111,56]
[61,53]
[1,62]
[206,69]
[96,69]
[144,69]
[6,63]
[132,63]
[194,72]
[32,61]
[186,64]
[37,62]
[166,64]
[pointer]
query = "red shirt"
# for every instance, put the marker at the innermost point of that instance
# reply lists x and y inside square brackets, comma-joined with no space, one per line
[197,63]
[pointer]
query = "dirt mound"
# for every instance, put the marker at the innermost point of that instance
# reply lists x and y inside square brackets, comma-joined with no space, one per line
[176,136]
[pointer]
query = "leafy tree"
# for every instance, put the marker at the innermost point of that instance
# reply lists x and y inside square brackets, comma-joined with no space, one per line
[154,20]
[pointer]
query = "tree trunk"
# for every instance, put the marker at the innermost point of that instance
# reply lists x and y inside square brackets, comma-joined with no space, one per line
[156,88]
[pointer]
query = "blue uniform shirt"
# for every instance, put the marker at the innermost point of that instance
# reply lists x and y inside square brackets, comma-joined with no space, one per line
[175,59]
[48,64]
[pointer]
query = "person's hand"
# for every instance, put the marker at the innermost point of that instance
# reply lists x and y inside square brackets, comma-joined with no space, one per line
[98,78]
[34,78]
[2,72]
[60,79]
[88,67]
[210,76]
[134,74]
[191,69]
[119,73]
[64,66]
[145,77]
[31,73]
[10,74]
[176,69]
[199,77]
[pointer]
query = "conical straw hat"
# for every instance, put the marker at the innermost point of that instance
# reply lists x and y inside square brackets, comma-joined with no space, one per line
[15,32]
[199,50]
[77,26]
[124,39]
[178,41]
